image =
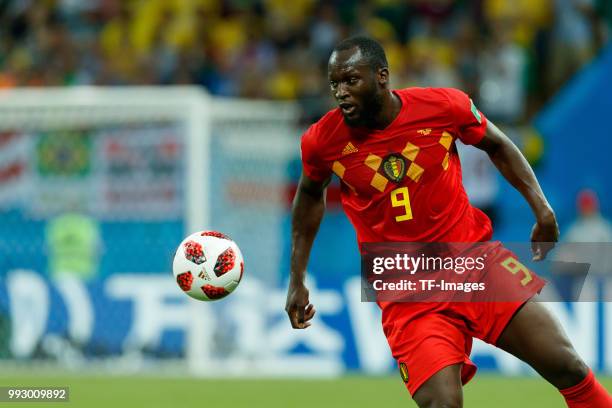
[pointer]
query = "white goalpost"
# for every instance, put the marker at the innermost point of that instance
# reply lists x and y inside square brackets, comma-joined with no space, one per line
[223,166]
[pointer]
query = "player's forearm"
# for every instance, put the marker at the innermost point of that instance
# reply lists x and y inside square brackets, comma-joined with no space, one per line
[514,167]
[307,214]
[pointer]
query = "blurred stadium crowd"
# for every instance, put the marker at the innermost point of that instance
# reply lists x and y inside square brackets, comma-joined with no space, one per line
[502,52]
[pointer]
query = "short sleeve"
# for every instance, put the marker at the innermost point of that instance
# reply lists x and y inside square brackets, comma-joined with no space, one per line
[470,122]
[314,167]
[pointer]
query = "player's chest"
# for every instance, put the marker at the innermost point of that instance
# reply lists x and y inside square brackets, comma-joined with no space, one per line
[373,164]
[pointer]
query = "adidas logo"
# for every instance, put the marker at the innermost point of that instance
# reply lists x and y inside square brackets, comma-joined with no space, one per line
[349,148]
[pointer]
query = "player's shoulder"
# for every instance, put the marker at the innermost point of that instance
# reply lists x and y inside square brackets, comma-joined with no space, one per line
[435,102]
[325,127]
[320,141]
[435,95]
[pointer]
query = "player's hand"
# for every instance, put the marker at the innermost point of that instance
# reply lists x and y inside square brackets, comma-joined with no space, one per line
[298,307]
[543,237]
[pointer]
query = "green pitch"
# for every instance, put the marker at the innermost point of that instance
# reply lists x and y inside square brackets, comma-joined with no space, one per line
[354,392]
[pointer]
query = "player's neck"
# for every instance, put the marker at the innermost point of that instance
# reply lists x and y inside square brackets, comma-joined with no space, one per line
[391,106]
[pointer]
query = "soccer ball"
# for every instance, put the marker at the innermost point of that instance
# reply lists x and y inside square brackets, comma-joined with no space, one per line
[208,265]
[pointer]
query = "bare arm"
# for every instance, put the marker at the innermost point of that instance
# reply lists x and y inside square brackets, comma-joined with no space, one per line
[514,167]
[307,213]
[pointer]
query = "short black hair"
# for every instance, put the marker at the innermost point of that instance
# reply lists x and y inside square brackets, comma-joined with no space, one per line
[370,49]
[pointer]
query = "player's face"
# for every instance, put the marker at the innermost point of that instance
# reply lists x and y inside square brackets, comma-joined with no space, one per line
[355,86]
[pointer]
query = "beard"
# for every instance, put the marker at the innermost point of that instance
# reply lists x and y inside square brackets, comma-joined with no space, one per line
[367,112]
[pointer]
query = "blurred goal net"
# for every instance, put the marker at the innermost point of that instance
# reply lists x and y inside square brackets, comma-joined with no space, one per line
[97,188]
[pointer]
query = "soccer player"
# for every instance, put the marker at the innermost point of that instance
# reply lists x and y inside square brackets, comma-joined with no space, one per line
[362,141]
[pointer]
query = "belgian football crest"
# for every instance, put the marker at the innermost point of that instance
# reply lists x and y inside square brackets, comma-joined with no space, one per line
[394,167]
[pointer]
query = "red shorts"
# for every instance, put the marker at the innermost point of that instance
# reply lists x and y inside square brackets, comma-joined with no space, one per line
[426,337]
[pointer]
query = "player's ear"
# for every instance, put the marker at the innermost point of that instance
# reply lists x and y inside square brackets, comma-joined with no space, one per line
[383,76]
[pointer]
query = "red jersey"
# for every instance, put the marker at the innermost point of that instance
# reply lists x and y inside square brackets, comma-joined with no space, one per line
[403,183]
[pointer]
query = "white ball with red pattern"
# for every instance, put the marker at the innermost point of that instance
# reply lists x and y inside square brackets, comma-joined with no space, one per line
[208,265]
